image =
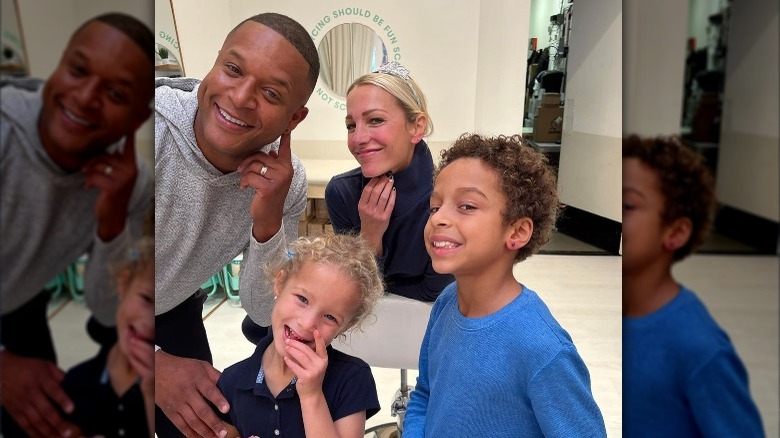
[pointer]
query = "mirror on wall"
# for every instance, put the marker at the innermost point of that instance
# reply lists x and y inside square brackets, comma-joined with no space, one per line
[167,54]
[14,60]
[347,52]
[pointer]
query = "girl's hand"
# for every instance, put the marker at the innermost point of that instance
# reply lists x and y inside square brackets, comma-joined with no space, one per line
[309,365]
[142,360]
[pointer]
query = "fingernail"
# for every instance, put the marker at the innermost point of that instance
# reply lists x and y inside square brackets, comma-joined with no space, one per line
[393,188]
[222,433]
[66,432]
[224,409]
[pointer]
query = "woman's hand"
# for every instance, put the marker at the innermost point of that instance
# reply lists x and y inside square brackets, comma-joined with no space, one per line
[375,206]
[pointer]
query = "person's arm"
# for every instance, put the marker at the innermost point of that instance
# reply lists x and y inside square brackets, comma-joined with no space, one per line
[254,286]
[99,290]
[561,398]
[424,288]
[417,408]
[720,398]
[338,203]
[183,390]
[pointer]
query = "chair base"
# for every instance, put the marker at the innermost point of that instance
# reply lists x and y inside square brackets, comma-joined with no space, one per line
[388,430]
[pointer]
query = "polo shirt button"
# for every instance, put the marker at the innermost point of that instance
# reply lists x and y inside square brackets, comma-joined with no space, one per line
[121,408]
[276,407]
[276,432]
[121,432]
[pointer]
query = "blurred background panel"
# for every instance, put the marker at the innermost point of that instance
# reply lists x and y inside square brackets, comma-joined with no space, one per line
[707,70]
[42,29]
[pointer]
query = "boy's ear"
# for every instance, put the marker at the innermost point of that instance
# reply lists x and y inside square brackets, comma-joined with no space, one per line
[520,233]
[677,234]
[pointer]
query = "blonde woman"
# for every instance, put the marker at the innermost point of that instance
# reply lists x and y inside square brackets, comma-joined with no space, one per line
[385,200]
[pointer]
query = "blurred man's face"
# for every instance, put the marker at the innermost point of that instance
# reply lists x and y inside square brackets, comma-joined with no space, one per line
[643,207]
[100,92]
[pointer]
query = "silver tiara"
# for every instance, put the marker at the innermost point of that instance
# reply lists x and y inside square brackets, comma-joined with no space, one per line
[396,69]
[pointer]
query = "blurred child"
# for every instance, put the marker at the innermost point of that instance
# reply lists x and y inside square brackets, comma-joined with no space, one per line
[113,393]
[494,361]
[295,384]
[682,376]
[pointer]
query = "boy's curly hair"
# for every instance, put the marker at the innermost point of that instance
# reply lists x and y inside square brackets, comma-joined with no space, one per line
[526,179]
[351,254]
[686,184]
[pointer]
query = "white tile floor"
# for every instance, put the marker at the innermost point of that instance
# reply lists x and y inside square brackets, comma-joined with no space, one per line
[583,292]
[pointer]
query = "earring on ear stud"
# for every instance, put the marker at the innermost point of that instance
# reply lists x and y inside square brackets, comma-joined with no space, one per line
[275,297]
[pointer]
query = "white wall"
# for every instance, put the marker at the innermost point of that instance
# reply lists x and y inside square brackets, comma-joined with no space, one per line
[165,29]
[590,167]
[698,18]
[500,73]
[749,154]
[48,25]
[469,58]
[541,10]
[440,43]
[654,66]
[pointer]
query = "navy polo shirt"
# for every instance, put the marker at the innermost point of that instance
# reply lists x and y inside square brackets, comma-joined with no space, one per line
[98,409]
[348,387]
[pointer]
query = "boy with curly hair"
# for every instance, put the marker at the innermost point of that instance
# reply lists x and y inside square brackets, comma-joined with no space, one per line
[494,361]
[679,365]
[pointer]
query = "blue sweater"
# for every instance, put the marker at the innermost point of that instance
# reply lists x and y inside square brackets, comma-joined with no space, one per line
[514,373]
[405,264]
[682,377]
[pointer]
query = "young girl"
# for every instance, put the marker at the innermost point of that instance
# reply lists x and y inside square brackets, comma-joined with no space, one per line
[682,376]
[494,361]
[295,384]
[113,393]
[386,198]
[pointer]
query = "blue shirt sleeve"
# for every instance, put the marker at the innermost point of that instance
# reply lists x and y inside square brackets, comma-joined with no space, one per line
[562,400]
[720,398]
[417,408]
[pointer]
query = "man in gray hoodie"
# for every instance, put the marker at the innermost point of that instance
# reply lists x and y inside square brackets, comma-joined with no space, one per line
[70,183]
[224,185]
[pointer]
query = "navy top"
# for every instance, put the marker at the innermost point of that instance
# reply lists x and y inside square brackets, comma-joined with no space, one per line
[682,376]
[348,387]
[98,409]
[405,264]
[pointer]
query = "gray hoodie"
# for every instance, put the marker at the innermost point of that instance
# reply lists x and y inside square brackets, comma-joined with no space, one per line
[46,219]
[202,219]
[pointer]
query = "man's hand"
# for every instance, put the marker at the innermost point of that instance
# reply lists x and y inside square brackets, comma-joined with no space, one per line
[30,389]
[114,176]
[183,388]
[375,207]
[270,185]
